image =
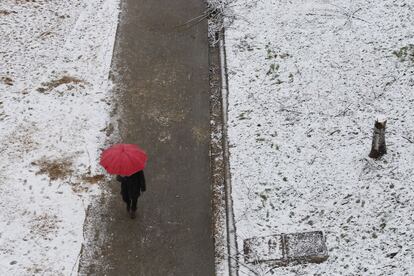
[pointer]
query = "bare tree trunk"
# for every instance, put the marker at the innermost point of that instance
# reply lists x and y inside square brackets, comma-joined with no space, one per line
[378,148]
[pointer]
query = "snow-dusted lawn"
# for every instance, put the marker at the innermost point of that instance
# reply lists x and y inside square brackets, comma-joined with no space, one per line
[306,81]
[54,100]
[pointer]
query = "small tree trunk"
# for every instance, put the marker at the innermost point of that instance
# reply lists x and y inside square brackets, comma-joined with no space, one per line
[379,148]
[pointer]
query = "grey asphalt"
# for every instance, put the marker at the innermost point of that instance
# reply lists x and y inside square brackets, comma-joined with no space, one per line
[162,84]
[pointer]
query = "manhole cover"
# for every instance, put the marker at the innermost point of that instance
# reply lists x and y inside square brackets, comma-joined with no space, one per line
[306,247]
[263,249]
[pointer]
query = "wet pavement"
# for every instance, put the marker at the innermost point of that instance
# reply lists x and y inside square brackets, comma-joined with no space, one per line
[161,76]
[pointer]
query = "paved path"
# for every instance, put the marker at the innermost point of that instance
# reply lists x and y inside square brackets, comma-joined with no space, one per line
[162,81]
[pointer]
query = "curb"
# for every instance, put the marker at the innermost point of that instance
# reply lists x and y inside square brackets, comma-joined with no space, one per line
[232,250]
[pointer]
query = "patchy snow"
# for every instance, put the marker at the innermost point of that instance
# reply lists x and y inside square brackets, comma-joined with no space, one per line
[306,82]
[54,103]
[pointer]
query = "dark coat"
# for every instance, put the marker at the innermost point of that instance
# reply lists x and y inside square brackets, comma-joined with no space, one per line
[132,186]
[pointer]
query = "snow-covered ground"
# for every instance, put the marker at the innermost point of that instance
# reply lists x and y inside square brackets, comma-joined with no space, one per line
[306,82]
[54,102]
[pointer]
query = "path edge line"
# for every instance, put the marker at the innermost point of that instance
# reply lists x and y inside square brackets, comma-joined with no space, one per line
[232,249]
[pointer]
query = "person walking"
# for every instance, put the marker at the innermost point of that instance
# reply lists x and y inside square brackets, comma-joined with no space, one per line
[127,161]
[131,188]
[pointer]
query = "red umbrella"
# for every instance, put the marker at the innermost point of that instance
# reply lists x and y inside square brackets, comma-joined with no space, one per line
[123,159]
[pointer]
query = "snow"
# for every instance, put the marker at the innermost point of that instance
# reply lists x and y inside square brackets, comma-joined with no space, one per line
[54,111]
[381,118]
[306,82]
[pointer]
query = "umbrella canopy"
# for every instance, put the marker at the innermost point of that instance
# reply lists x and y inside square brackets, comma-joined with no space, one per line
[123,159]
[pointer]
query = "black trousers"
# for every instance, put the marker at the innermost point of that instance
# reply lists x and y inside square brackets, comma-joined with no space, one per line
[130,202]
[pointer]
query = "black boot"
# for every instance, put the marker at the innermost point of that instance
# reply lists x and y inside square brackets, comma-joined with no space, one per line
[132,214]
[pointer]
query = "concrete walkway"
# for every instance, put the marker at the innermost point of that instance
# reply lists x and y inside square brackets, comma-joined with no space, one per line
[162,77]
